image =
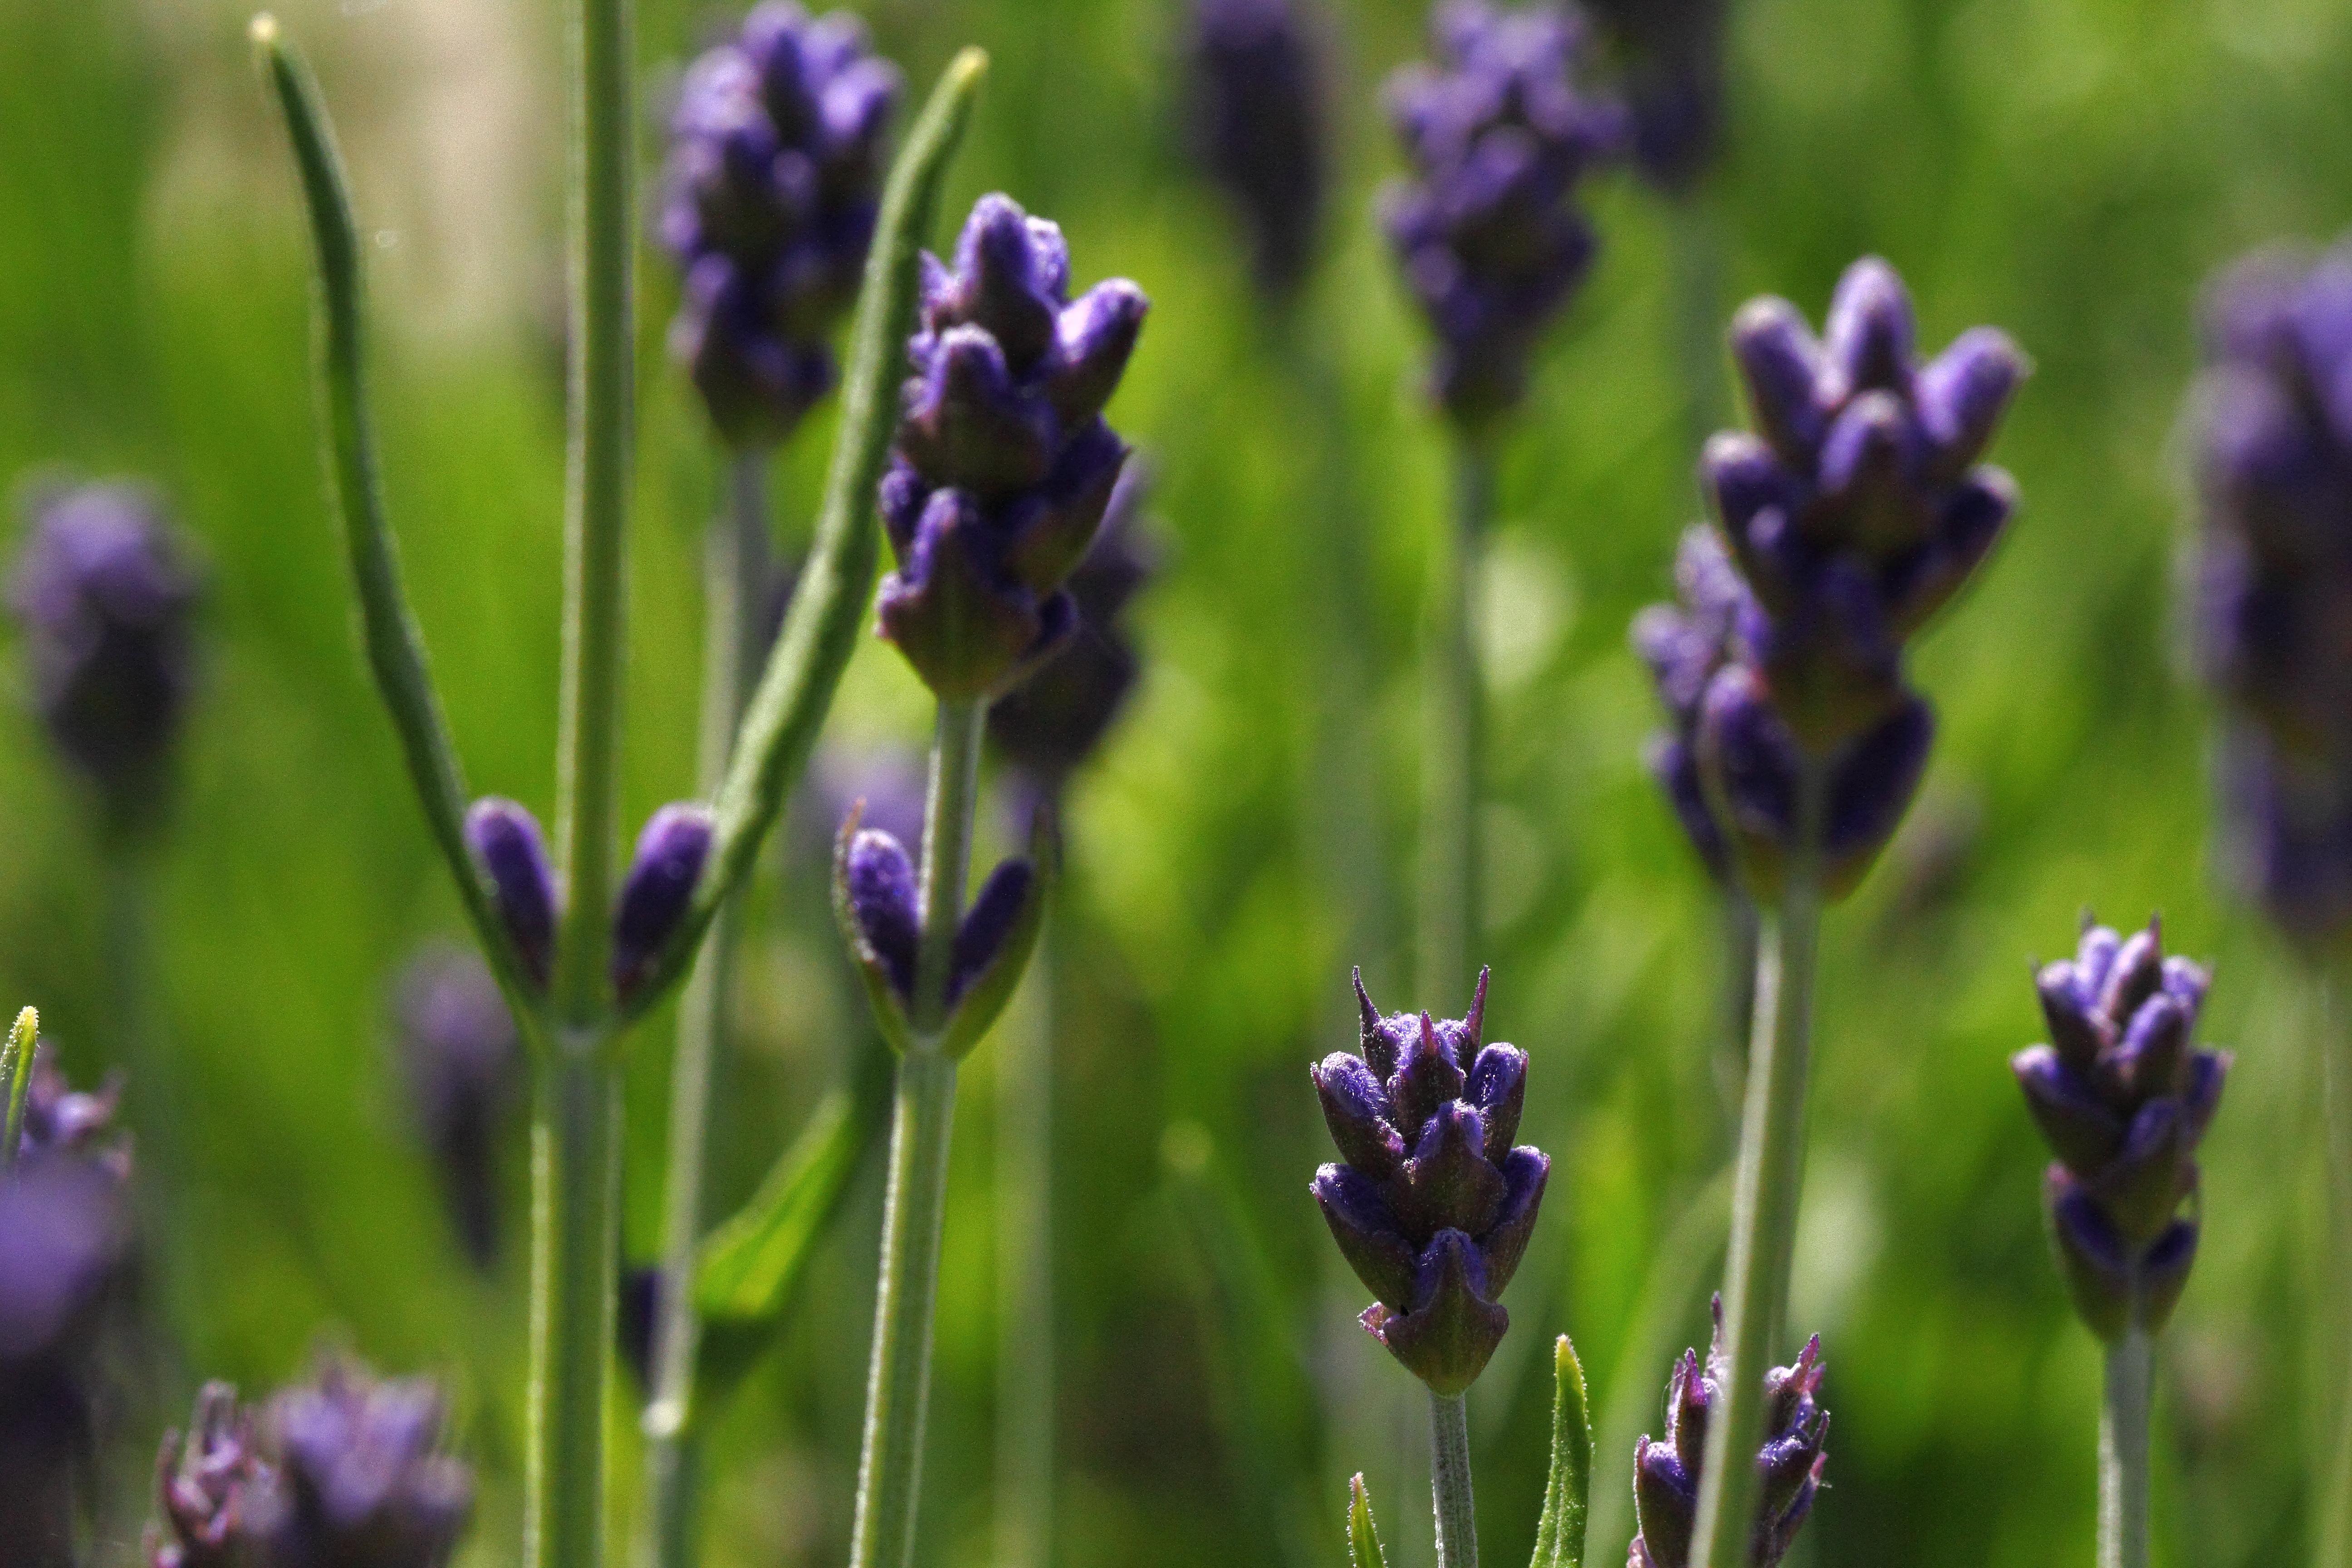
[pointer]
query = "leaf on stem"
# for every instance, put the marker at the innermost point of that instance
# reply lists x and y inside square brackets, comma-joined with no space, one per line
[1363,1538]
[1560,1533]
[17,1081]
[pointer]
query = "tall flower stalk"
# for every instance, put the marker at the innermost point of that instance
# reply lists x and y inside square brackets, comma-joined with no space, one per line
[579,958]
[1001,472]
[1855,512]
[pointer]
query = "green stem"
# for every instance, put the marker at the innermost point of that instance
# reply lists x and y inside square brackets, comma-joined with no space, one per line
[1764,1196]
[1449,1481]
[2336,1292]
[16,1080]
[1453,698]
[2123,1453]
[575,1207]
[1025,1197]
[906,1297]
[1696,270]
[736,581]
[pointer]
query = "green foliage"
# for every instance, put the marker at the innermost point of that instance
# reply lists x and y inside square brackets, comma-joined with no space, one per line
[1363,1536]
[15,1082]
[1560,1533]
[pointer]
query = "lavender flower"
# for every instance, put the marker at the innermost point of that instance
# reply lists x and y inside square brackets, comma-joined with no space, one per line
[1254,81]
[1487,231]
[512,853]
[1787,1468]
[1854,513]
[769,204]
[1003,465]
[461,1058]
[659,885]
[1052,722]
[2122,1098]
[1670,56]
[2274,585]
[875,897]
[65,1263]
[105,597]
[1430,1205]
[347,1472]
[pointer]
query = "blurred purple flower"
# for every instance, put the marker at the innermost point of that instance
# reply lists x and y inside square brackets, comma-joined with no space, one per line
[769,203]
[1431,1204]
[660,883]
[1670,59]
[1788,1466]
[2273,429]
[2123,1099]
[1499,134]
[462,1061]
[1254,77]
[885,783]
[1003,465]
[106,599]
[512,853]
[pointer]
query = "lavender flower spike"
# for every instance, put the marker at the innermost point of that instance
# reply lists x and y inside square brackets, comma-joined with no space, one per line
[1486,230]
[1788,1466]
[509,848]
[460,1055]
[2123,1099]
[769,204]
[106,598]
[1670,56]
[1431,1204]
[660,884]
[1255,80]
[1004,466]
[2272,432]
[208,1486]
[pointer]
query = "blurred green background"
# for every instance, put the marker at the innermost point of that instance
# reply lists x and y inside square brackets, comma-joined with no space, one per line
[2068,169]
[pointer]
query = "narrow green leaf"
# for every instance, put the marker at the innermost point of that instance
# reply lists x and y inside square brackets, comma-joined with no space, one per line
[395,648]
[1560,1535]
[751,1264]
[17,1081]
[1363,1537]
[828,609]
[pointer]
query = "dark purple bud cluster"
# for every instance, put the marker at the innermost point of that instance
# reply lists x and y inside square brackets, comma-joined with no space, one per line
[769,204]
[66,1259]
[1431,1204]
[1003,465]
[1255,79]
[345,1471]
[1054,720]
[655,893]
[1670,58]
[1788,1466]
[1857,510]
[2122,1098]
[1487,231]
[461,1056]
[2273,442]
[106,599]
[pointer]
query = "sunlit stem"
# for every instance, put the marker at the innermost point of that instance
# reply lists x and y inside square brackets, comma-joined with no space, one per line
[1449,1481]
[1451,737]
[1024,1197]
[2123,1453]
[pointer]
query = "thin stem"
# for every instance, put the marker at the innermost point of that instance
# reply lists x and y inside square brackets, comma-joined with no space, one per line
[1451,751]
[575,1206]
[2123,1453]
[2335,1080]
[1024,1197]
[1764,1196]
[906,1297]
[1449,1481]
[736,582]
[1695,273]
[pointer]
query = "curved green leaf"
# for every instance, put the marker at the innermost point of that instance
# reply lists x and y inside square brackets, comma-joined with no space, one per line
[1560,1533]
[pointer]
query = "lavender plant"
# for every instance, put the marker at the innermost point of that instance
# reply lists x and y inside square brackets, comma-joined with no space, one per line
[1001,472]
[580,952]
[1253,72]
[1855,511]
[461,1060]
[2123,1099]
[1670,56]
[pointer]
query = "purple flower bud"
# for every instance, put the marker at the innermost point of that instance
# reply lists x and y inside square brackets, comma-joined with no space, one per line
[1254,80]
[1788,1466]
[658,888]
[106,600]
[507,846]
[460,1055]
[1004,467]
[769,204]
[1486,230]
[874,895]
[2122,1098]
[1432,1209]
[209,1486]
[881,896]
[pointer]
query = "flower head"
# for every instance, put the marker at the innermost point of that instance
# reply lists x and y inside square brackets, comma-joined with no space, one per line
[1004,466]
[1486,230]
[1254,74]
[460,1057]
[106,599]
[207,1487]
[2273,431]
[769,204]
[1855,511]
[1670,56]
[1431,1204]
[2123,1099]
[1788,1466]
